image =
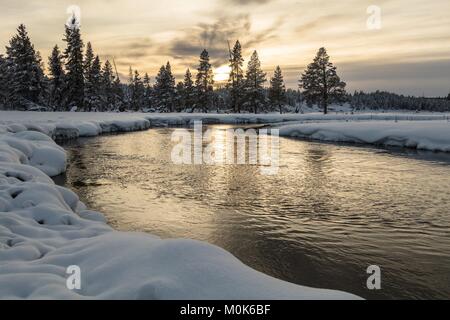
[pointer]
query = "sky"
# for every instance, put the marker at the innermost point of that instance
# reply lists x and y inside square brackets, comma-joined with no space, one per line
[409,53]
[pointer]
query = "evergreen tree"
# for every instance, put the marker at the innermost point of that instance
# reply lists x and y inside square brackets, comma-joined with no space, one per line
[236,79]
[189,91]
[277,91]
[164,89]
[74,90]
[57,79]
[137,93]
[25,77]
[129,89]
[4,92]
[147,91]
[448,97]
[255,98]
[93,87]
[179,97]
[118,94]
[88,61]
[320,82]
[107,81]
[204,82]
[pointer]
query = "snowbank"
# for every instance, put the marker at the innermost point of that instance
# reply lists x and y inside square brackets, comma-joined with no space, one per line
[71,124]
[44,229]
[423,135]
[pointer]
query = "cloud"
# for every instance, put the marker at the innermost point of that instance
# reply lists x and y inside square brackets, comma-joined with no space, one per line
[247,2]
[215,36]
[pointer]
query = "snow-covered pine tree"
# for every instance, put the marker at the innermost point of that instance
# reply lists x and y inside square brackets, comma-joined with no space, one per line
[204,83]
[107,80]
[170,87]
[129,89]
[179,97]
[88,61]
[255,98]
[118,94]
[189,91]
[159,89]
[277,91]
[57,79]
[164,89]
[3,82]
[93,87]
[74,88]
[147,91]
[92,80]
[236,80]
[320,82]
[137,93]
[25,78]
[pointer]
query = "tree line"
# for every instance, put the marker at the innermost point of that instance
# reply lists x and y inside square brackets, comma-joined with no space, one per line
[382,100]
[76,80]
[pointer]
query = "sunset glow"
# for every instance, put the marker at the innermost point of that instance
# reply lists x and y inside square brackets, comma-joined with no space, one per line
[411,43]
[222,73]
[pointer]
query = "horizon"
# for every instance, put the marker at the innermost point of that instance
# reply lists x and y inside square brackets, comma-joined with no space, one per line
[284,32]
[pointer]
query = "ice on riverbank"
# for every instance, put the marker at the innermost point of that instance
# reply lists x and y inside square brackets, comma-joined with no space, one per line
[44,229]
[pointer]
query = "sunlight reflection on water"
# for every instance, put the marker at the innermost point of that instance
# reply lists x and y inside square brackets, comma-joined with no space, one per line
[332,210]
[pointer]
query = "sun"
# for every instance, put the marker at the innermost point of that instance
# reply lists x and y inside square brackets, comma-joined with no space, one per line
[222,73]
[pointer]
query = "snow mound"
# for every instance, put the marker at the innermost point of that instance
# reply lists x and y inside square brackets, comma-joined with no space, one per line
[44,229]
[423,135]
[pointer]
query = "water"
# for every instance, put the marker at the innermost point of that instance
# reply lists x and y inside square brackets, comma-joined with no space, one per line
[332,210]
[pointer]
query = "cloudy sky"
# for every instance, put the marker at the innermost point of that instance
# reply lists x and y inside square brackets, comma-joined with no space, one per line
[410,54]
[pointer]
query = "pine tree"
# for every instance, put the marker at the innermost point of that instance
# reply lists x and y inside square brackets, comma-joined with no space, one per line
[137,93]
[93,87]
[57,79]
[170,86]
[236,79]
[204,82]
[255,97]
[118,94]
[88,61]
[129,89]
[25,76]
[164,89]
[147,91]
[320,82]
[179,97]
[277,91]
[189,91]
[3,82]
[90,88]
[107,80]
[74,90]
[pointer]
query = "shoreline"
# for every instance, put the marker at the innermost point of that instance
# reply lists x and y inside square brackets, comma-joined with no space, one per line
[44,229]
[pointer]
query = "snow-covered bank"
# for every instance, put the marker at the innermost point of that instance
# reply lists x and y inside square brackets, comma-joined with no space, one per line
[423,135]
[71,125]
[44,229]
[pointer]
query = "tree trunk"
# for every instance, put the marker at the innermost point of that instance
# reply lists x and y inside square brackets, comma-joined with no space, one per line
[325,108]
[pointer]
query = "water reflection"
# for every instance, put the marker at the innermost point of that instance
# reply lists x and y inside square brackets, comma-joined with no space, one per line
[329,213]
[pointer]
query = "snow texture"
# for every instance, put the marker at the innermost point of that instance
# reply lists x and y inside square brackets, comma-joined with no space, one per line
[421,135]
[44,229]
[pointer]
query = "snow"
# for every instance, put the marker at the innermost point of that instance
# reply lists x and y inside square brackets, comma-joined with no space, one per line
[422,135]
[44,229]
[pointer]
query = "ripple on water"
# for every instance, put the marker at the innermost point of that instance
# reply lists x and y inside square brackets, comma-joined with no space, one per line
[332,210]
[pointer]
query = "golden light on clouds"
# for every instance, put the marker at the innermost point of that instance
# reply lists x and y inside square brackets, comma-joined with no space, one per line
[409,54]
